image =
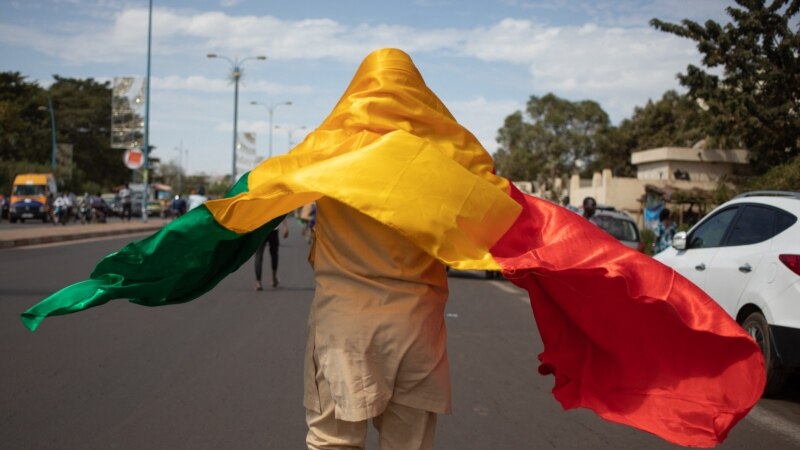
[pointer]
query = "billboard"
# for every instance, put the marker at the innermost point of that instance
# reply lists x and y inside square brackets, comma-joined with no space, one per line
[127,106]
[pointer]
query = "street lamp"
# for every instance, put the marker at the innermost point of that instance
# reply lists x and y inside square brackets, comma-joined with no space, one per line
[236,73]
[52,132]
[271,108]
[289,131]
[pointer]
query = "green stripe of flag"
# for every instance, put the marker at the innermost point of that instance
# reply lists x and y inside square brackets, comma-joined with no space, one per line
[179,263]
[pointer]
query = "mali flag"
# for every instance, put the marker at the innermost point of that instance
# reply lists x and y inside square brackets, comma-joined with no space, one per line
[623,335]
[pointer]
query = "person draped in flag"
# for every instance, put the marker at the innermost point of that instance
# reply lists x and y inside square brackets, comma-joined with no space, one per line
[623,335]
[376,335]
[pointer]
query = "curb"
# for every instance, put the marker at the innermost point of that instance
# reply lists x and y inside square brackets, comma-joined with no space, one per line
[37,240]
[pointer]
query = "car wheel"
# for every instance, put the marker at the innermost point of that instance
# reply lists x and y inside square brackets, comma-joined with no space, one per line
[756,326]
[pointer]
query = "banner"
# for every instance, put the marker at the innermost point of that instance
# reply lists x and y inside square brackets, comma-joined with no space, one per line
[127,118]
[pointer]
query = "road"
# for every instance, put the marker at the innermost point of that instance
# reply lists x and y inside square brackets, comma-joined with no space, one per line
[224,371]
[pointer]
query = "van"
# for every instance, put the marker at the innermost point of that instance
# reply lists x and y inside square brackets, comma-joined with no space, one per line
[29,197]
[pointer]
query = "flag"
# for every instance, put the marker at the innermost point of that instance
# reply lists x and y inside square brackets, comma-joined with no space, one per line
[623,334]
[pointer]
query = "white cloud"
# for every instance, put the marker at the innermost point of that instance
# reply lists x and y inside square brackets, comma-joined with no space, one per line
[203,84]
[623,65]
[483,117]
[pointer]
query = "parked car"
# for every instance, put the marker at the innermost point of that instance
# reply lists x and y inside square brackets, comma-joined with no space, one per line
[746,256]
[155,208]
[113,202]
[620,225]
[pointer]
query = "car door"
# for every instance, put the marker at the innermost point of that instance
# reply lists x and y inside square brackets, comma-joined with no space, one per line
[702,245]
[736,263]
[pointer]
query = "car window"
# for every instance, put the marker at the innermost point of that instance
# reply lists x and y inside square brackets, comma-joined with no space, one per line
[619,228]
[28,189]
[755,224]
[711,232]
[783,220]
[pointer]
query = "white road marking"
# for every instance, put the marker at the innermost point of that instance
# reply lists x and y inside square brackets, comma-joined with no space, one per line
[79,241]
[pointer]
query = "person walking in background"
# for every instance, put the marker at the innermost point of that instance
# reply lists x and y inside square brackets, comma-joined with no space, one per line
[197,198]
[274,242]
[665,231]
[565,203]
[178,207]
[589,208]
[125,199]
[308,217]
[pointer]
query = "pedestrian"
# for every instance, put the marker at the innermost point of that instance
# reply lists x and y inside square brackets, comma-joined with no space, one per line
[565,204]
[177,207]
[125,198]
[665,231]
[60,208]
[589,208]
[197,198]
[274,242]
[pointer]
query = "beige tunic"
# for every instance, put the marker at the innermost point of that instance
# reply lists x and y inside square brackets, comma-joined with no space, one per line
[376,328]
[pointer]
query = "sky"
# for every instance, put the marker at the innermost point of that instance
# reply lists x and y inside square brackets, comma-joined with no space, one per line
[484,59]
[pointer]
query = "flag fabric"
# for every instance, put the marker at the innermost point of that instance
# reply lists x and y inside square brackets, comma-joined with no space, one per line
[623,335]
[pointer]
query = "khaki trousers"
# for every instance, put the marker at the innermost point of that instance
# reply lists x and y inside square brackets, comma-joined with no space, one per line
[399,427]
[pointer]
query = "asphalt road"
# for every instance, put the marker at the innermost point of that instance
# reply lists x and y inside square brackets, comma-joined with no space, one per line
[225,371]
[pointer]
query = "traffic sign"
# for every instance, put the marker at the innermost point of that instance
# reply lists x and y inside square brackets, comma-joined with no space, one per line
[133,158]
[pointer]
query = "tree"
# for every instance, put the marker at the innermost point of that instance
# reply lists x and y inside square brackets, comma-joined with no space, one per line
[83,117]
[83,109]
[24,127]
[756,102]
[674,121]
[561,138]
[513,158]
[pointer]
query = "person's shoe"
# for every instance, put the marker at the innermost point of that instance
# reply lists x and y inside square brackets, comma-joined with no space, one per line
[258,286]
[275,282]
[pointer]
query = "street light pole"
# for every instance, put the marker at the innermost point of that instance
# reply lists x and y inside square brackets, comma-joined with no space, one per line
[146,149]
[236,73]
[289,131]
[271,108]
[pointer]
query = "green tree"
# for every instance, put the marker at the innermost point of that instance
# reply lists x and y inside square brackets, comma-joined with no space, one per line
[673,121]
[755,103]
[614,152]
[83,117]
[83,109]
[560,138]
[24,127]
[785,177]
[513,158]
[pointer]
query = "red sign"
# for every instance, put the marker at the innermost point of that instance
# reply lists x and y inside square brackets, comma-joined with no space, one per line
[133,158]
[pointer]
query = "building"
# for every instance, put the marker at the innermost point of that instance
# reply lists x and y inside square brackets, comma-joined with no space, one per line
[658,170]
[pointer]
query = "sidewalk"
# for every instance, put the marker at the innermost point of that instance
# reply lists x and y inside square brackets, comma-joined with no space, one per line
[34,235]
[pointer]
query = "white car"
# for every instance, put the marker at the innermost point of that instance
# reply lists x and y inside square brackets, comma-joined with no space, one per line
[746,255]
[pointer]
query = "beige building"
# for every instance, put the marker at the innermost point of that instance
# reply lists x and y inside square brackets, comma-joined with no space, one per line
[679,168]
